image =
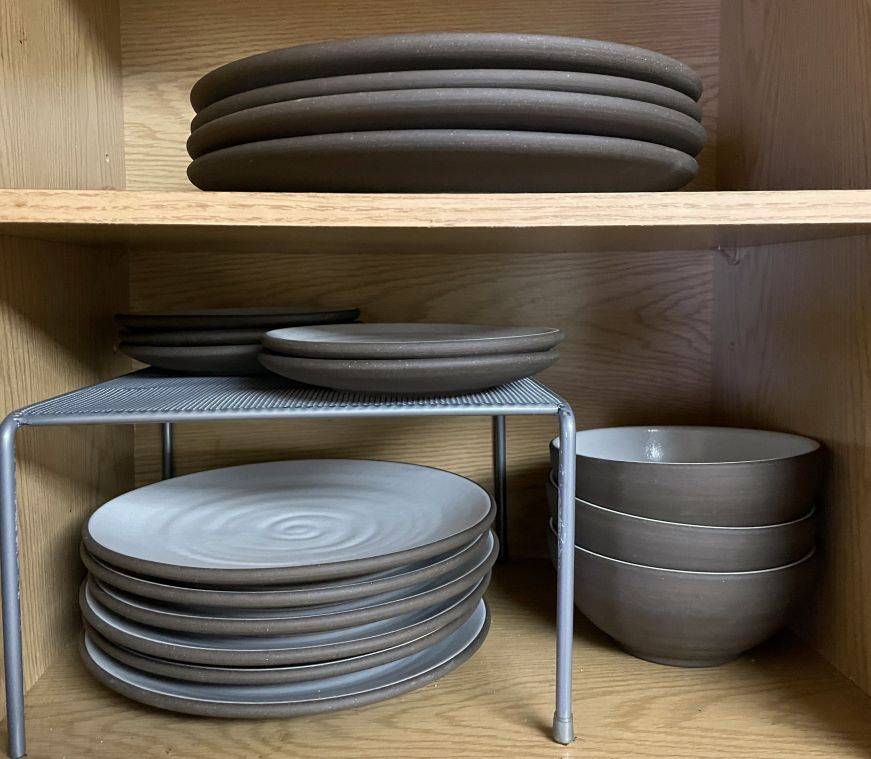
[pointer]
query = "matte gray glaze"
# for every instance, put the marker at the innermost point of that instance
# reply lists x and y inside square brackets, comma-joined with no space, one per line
[686,619]
[453,108]
[671,545]
[445,160]
[414,376]
[400,52]
[729,477]
[236,318]
[558,81]
[197,337]
[224,360]
[391,341]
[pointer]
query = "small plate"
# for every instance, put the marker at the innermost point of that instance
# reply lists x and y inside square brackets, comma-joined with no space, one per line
[192,337]
[380,341]
[236,318]
[417,376]
[223,360]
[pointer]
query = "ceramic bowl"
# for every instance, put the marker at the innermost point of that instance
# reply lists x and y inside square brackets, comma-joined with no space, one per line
[717,476]
[672,545]
[686,619]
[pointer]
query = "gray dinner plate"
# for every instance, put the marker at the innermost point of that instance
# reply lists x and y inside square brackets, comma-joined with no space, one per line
[290,699]
[415,376]
[453,108]
[188,337]
[274,650]
[530,79]
[222,360]
[383,341]
[445,160]
[271,597]
[202,673]
[291,620]
[284,522]
[236,318]
[400,52]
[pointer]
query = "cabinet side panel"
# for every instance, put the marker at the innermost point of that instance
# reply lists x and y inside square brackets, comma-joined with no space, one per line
[792,325]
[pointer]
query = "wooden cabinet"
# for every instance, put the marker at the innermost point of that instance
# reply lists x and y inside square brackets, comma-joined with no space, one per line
[743,300]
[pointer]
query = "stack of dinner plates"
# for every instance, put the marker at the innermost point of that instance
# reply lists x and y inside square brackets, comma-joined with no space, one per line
[213,341]
[286,588]
[448,112]
[409,358]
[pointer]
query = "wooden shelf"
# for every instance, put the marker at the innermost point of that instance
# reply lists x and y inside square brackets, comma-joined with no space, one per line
[780,701]
[541,222]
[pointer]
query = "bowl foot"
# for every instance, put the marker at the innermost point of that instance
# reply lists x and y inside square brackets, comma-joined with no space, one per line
[687,663]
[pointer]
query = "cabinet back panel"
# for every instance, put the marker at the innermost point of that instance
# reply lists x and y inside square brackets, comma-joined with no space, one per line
[167,45]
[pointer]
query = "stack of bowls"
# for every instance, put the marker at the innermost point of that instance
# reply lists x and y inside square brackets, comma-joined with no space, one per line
[286,588]
[448,112]
[409,358]
[213,341]
[693,544]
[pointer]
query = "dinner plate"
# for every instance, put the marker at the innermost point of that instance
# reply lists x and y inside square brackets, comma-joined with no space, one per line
[453,108]
[274,650]
[288,521]
[399,52]
[272,597]
[236,318]
[445,160]
[192,337]
[291,620]
[380,341]
[288,699]
[202,673]
[558,81]
[417,376]
[225,360]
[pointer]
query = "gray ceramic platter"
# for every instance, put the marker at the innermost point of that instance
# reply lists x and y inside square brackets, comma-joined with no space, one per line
[453,108]
[236,318]
[289,699]
[272,597]
[288,521]
[275,650]
[415,376]
[198,337]
[445,160]
[200,673]
[401,52]
[558,81]
[224,360]
[390,341]
[290,621]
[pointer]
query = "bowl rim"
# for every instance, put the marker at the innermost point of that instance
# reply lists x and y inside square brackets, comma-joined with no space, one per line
[816,446]
[807,557]
[667,523]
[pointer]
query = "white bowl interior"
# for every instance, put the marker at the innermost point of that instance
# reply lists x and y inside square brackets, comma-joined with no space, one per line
[689,445]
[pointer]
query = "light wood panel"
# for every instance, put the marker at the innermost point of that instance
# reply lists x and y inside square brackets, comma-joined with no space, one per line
[168,45]
[637,347]
[60,79]
[792,325]
[448,224]
[56,335]
[780,701]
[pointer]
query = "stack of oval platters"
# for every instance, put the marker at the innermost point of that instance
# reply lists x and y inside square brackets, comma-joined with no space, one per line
[409,358]
[286,588]
[213,341]
[448,112]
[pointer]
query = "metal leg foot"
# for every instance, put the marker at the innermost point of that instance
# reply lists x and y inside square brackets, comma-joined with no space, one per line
[563,726]
[500,484]
[13,663]
[168,470]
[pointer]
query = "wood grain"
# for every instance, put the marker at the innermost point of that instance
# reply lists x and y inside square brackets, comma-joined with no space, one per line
[637,347]
[161,65]
[60,111]
[56,335]
[780,701]
[792,324]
